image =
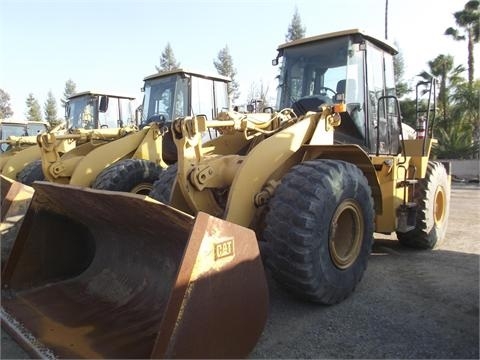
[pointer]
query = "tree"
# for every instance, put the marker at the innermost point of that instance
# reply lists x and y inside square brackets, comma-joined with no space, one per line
[258,94]
[33,109]
[70,89]
[50,109]
[398,72]
[167,60]
[295,29]
[224,66]
[467,19]
[5,109]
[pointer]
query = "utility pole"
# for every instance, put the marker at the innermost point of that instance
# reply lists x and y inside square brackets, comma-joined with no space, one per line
[386,19]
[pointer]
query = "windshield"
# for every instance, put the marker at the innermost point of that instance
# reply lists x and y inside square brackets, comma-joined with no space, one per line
[36,128]
[159,99]
[317,73]
[81,112]
[7,130]
[84,112]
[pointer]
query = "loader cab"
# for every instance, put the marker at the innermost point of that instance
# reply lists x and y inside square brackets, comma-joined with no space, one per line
[11,128]
[347,67]
[95,110]
[178,93]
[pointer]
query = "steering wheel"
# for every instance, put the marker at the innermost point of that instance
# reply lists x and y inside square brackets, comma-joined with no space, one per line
[326,89]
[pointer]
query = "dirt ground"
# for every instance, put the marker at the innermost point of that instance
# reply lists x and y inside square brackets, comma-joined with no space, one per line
[410,304]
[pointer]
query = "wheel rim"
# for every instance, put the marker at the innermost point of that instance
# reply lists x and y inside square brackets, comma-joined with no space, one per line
[142,189]
[346,234]
[439,205]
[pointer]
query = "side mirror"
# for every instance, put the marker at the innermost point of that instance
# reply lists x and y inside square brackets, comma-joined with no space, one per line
[250,108]
[103,107]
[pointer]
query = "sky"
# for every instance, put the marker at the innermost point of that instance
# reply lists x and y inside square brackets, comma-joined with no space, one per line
[114,44]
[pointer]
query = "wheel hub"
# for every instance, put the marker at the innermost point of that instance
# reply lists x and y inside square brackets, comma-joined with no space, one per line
[346,234]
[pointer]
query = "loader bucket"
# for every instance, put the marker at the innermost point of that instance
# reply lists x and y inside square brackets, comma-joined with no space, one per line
[99,274]
[14,204]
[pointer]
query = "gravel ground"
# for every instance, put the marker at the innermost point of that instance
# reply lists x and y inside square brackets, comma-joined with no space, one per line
[410,304]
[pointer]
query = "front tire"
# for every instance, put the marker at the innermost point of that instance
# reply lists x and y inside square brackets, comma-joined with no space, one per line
[30,173]
[131,175]
[320,230]
[163,186]
[433,200]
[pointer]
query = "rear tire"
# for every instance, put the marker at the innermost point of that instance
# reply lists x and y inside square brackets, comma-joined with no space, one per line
[320,230]
[433,200]
[30,173]
[130,175]
[162,188]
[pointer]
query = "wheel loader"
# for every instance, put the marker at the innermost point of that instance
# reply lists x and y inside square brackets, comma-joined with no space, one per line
[299,192]
[132,163]
[83,114]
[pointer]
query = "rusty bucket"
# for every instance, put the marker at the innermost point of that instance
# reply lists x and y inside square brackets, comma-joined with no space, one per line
[99,274]
[15,200]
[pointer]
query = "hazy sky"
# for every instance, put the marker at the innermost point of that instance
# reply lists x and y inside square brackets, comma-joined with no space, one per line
[114,44]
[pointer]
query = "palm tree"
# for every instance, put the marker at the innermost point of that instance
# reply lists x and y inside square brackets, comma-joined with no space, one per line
[467,19]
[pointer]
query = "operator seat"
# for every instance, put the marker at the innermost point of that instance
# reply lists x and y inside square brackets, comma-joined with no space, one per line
[347,86]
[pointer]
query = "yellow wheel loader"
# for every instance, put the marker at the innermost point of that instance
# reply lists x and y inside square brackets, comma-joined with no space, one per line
[308,185]
[16,136]
[83,114]
[132,163]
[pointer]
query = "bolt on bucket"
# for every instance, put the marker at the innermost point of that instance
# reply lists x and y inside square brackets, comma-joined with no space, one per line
[99,274]
[15,200]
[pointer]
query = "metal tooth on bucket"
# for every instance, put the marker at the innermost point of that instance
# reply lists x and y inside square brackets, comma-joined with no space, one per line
[15,200]
[98,274]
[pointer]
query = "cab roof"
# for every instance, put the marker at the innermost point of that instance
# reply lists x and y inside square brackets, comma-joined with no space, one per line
[383,44]
[100,93]
[188,72]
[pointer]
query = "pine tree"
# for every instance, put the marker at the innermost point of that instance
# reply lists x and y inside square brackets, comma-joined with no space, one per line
[224,66]
[295,29]
[167,60]
[70,89]
[50,109]
[5,109]
[33,109]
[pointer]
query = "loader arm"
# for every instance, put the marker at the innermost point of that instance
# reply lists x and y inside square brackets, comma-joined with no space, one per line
[61,154]
[202,175]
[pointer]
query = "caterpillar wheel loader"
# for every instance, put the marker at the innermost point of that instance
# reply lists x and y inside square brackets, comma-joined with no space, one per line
[82,115]
[16,136]
[307,186]
[132,163]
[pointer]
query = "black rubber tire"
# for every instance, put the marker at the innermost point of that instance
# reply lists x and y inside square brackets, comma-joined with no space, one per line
[162,188]
[129,175]
[300,228]
[30,173]
[432,195]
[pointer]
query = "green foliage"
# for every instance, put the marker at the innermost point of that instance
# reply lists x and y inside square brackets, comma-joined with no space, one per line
[50,110]
[455,143]
[468,21]
[33,109]
[224,66]
[5,109]
[70,89]
[398,70]
[295,29]
[167,60]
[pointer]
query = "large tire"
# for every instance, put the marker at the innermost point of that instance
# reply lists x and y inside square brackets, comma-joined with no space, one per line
[130,175]
[432,195]
[30,173]
[319,228]
[162,188]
